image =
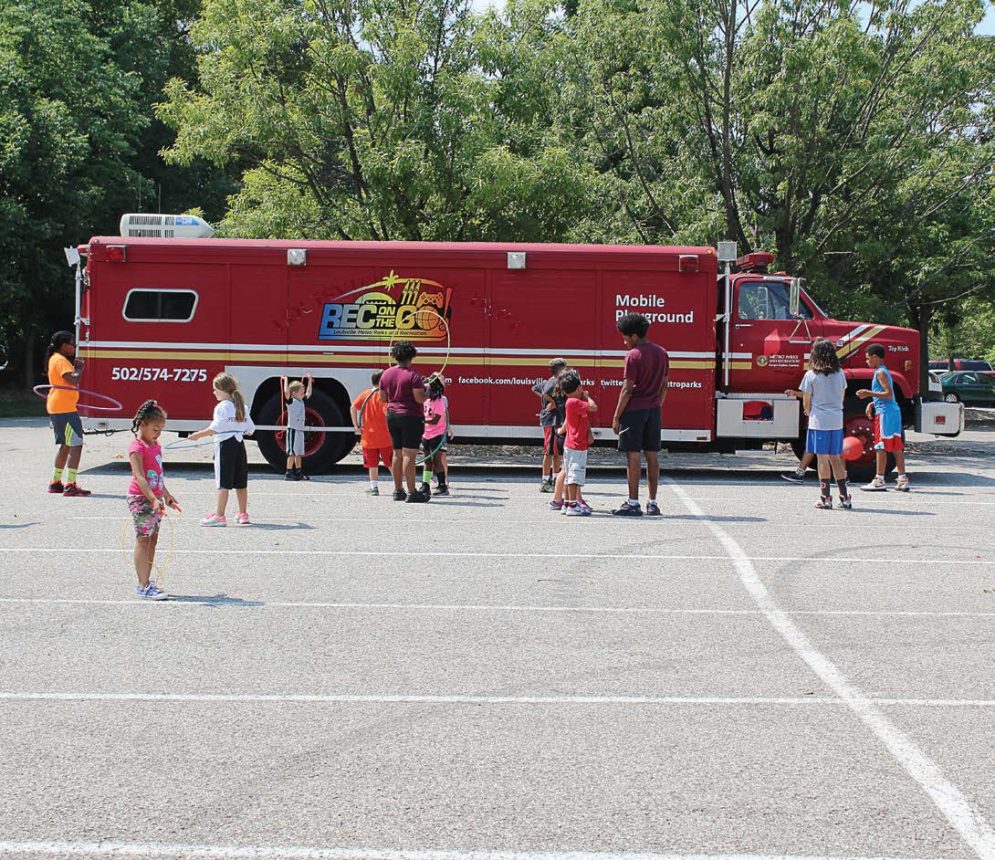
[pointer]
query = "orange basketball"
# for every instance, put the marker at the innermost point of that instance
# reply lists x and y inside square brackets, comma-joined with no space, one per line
[853,448]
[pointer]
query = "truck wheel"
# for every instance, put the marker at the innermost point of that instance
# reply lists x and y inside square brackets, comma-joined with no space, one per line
[863,468]
[798,448]
[951,398]
[321,450]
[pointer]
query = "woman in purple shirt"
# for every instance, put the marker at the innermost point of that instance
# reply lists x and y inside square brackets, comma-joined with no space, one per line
[403,390]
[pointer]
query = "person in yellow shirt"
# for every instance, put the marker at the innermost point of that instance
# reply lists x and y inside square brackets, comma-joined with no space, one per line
[64,371]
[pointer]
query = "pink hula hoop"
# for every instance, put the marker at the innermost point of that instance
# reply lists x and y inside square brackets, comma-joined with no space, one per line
[42,391]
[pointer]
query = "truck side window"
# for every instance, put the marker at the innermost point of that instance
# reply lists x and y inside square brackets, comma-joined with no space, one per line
[767,300]
[160,305]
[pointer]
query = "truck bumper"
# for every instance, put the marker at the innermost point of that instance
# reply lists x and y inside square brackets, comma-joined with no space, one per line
[939,418]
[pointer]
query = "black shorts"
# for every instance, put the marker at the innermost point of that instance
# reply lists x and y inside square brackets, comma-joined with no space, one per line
[405,430]
[231,465]
[640,430]
[431,447]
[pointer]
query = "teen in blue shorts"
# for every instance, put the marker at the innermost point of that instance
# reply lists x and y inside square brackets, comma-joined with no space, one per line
[823,388]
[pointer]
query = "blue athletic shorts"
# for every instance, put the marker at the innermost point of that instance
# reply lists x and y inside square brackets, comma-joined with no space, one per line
[824,441]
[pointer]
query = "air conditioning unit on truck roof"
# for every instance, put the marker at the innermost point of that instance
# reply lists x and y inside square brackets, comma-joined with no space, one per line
[142,226]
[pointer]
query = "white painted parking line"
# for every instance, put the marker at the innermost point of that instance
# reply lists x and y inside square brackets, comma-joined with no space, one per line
[420,699]
[340,553]
[262,603]
[290,852]
[947,797]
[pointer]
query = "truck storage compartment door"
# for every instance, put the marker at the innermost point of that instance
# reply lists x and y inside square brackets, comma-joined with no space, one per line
[939,418]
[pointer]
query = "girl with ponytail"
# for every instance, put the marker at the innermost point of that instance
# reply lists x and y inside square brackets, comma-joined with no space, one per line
[231,465]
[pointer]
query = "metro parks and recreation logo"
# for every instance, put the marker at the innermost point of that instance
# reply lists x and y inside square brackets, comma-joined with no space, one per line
[420,312]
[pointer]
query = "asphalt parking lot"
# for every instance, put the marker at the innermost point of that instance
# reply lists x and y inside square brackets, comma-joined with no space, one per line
[353,678]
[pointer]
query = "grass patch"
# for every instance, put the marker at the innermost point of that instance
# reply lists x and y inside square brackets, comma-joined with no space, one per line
[18,403]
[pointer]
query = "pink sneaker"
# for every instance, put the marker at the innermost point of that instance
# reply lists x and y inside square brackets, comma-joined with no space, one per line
[214,520]
[242,519]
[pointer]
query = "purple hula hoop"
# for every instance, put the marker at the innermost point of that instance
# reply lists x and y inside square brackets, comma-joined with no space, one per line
[41,391]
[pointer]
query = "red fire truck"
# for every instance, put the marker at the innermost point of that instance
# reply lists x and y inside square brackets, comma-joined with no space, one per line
[160,317]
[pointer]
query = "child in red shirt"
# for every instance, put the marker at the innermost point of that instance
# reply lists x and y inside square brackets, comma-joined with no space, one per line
[576,431]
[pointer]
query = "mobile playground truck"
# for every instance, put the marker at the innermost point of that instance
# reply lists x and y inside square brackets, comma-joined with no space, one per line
[159,317]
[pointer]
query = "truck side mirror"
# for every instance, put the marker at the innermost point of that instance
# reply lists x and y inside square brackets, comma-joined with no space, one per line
[795,299]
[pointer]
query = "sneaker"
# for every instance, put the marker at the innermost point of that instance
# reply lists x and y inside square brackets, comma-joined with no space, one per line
[400,496]
[902,483]
[425,488]
[653,509]
[242,519]
[577,511]
[417,497]
[75,490]
[150,592]
[372,491]
[56,487]
[442,490]
[555,505]
[845,503]
[795,477]
[547,487]
[875,486]
[302,475]
[214,521]
[584,506]
[627,510]
[825,503]
[291,475]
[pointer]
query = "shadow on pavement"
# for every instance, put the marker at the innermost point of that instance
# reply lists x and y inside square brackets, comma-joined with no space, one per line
[214,600]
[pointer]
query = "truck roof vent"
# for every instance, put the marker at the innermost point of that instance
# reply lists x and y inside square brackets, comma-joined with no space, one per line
[149,226]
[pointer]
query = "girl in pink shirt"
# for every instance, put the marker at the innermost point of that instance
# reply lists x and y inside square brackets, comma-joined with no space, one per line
[147,493]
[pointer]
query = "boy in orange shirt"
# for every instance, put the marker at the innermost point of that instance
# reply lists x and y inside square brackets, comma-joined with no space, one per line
[60,404]
[369,417]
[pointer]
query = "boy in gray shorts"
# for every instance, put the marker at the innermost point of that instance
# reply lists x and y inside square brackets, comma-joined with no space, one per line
[294,395]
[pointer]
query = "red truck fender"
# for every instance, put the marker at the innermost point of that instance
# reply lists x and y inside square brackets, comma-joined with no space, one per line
[865,374]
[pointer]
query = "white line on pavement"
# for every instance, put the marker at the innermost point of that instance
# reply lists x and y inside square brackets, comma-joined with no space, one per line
[415,699]
[947,797]
[262,603]
[377,553]
[290,852]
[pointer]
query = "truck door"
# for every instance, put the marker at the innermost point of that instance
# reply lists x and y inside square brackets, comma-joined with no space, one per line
[770,348]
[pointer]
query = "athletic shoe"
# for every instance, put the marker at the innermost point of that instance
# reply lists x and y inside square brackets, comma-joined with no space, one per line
[577,511]
[875,486]
[425,489]
[555,505]
[795,477]
[547,487]
[627,510]
[902,483]
[75,490]
[845,503]
[442,490]
[373,491]
[242,519]
[56,487]
[214,521]
[302,475]
[653,509]
[417,497]
[585,507]
[291,475]
[150,592]
[825,503]
[400,496]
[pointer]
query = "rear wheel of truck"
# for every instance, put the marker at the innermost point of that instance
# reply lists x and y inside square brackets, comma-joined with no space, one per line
[321,450]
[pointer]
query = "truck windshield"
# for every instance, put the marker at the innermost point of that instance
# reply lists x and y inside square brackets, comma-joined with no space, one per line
[768,300]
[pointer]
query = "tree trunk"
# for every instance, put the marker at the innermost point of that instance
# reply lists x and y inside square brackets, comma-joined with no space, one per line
[921,316]
[29,357]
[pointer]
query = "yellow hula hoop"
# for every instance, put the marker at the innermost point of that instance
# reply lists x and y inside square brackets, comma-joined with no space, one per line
[160,566]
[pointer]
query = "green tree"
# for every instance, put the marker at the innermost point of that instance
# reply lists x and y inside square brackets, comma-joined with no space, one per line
[379,120]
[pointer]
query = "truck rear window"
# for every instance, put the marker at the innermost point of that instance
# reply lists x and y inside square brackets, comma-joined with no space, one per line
[160,305]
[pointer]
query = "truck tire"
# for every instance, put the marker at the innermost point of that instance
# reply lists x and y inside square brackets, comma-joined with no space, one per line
[861,470]
[321,450]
